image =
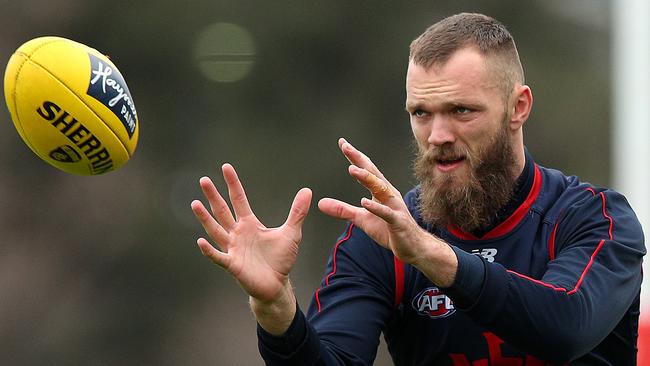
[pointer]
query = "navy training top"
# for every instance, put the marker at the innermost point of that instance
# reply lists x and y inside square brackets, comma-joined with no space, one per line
[557,281]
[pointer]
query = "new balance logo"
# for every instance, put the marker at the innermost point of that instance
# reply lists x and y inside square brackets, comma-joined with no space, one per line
[487,253]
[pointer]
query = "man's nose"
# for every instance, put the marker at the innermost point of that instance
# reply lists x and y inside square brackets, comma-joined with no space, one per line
[442,131]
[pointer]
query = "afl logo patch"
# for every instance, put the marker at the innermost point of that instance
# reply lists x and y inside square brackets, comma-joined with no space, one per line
[433,303]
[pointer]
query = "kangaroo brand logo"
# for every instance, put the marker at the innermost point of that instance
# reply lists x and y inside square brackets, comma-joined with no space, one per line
[65,154]
[108,86]
[433,303]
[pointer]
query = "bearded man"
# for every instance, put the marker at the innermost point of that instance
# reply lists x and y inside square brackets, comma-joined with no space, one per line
[491,259]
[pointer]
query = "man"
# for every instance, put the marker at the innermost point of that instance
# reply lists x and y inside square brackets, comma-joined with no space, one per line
[491,259]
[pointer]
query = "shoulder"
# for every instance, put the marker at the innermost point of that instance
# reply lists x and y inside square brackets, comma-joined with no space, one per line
[560,192]
[557,188]
[578,208]
[602,210]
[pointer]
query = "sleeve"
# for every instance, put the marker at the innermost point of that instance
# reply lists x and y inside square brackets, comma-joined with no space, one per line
[347,312]
[586,290]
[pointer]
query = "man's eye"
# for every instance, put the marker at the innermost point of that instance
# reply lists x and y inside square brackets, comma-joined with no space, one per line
[419,113]
[461,110]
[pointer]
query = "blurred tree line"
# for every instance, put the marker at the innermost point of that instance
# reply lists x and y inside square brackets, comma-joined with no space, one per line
[105,271]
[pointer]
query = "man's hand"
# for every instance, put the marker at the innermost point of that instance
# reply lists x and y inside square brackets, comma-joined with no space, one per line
[259,258]
[387,220]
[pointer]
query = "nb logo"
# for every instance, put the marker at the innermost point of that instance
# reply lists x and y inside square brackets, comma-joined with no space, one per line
[487,253]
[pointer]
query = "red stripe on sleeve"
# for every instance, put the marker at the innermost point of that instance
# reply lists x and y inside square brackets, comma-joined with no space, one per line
[399,280]
[551,243]
[336,249]
[317,299]
[560,289]
[611,221]
[327,278]
[584,273]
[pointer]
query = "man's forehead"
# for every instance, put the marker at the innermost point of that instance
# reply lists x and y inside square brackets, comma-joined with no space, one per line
[466,63]
[464,73]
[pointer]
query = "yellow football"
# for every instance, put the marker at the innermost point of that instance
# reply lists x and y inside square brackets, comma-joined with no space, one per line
[71,106]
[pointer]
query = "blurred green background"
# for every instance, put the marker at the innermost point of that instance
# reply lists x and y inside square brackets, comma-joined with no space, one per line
[105,270]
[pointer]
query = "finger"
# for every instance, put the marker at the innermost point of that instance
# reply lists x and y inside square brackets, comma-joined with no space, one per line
[236,192]
[383,211]
[380,189]
[299,208]
[219,258]
[218,205]
[356,157]
[212,228]
[338,209]
[341,142]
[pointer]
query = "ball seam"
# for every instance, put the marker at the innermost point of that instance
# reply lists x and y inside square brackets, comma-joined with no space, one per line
[14,95]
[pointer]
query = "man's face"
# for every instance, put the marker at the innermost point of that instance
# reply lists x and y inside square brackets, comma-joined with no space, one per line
[465,157]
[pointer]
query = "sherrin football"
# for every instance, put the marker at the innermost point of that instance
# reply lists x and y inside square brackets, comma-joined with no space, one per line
[71,106]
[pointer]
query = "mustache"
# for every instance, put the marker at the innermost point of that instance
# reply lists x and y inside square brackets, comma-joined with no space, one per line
[445,153]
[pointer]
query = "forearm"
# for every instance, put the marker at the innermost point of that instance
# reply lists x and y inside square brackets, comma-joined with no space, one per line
[435,259]
[275,316]
[537,316]
[299,345]
[346,314]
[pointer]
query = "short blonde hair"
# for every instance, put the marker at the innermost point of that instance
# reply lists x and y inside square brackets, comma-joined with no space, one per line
[435,46]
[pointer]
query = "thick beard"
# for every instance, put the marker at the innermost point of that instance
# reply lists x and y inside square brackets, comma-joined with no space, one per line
[474,202]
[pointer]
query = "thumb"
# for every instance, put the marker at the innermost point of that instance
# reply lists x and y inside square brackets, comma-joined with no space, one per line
[299,208]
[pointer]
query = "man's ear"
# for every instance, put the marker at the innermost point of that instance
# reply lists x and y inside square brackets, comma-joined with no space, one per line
[523,103]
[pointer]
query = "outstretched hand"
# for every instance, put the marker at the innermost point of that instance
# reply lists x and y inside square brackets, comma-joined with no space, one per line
[385,217]
[259,258]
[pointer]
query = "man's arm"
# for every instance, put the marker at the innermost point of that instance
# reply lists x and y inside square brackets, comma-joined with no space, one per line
[586,290]
[577,303]
[275,316]
[355,298]
[347,312]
